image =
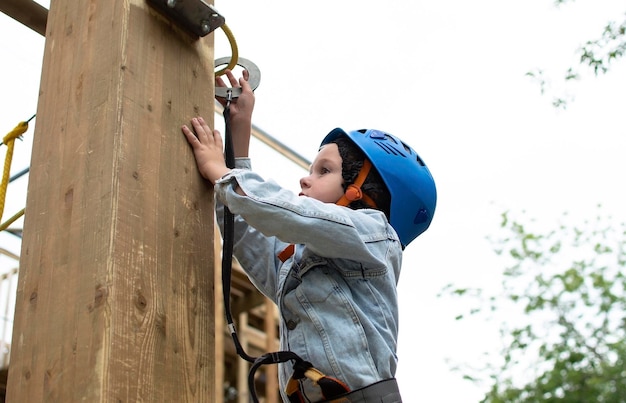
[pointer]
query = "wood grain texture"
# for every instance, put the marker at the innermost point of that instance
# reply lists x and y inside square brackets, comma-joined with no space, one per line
[115,297]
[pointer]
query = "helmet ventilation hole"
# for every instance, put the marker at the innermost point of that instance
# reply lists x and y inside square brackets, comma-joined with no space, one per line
[389,149]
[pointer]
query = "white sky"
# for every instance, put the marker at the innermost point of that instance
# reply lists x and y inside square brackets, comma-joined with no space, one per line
[448,77]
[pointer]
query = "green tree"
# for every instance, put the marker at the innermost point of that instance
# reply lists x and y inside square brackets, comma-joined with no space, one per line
[561,312]
[598,55]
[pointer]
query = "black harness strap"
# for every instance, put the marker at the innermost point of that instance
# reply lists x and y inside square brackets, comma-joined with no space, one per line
[227,261]
[229,226]
[330,387]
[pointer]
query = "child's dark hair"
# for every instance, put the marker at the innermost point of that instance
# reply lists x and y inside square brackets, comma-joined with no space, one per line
[351,162]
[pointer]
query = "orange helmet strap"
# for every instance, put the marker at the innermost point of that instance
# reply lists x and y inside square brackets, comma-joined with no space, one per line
[354,192]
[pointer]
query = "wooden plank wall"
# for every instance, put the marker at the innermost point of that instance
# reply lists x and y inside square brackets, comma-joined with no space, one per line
[115,297]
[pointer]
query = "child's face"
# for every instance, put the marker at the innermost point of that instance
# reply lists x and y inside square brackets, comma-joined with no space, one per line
[324,182]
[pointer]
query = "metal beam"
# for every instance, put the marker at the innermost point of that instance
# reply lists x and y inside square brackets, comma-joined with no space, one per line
[27,12]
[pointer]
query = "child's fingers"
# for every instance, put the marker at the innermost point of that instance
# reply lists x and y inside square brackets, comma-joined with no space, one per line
[245,85]
[204,125]
[191,137]
[231,78]
[218,138]
[201,128]
[201,131]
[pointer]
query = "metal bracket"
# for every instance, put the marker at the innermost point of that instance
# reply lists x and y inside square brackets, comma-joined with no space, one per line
[196,16]
[254,79]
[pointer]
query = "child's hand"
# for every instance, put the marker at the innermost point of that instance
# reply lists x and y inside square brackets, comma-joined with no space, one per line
[207,148]
[240,112]
[242,106]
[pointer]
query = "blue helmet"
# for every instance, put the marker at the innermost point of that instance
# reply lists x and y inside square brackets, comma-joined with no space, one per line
[412,188]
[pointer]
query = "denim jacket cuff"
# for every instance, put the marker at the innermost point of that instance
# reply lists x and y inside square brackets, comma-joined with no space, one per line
[243,163]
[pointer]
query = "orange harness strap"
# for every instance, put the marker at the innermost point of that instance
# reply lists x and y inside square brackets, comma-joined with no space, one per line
[331,387]
[287,253]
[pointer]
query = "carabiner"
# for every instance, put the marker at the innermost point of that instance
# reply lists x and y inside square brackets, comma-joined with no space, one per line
[229,97]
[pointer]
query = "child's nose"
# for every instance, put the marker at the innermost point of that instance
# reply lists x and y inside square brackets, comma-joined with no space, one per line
[304,182]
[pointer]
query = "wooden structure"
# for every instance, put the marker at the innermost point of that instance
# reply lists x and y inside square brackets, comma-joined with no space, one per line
[116,293]
[28,12]
[115,301]
[257,320]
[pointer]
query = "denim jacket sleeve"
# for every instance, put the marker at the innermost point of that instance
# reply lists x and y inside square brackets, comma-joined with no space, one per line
[261,261]
[283,218]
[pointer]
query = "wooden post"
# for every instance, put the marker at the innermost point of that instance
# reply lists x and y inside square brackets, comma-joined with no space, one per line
[115,298]
[220,320]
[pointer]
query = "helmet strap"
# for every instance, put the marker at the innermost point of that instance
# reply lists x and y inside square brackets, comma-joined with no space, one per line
[353,192]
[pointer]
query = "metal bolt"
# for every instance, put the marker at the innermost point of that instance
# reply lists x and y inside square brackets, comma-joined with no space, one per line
[205,26]
[171,3]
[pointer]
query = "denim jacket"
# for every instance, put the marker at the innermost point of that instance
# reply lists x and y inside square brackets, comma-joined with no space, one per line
[337,294]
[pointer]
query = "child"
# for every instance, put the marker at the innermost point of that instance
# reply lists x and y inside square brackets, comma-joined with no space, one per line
[328,257]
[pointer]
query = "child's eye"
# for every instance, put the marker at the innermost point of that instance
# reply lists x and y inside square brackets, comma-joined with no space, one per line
[324,171]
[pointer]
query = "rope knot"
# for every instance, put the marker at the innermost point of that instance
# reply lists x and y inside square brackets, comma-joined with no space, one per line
[15,133]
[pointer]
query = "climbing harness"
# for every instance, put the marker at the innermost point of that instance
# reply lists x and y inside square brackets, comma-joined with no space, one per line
[9,140]
[333,390]
[330,387]
[229,219]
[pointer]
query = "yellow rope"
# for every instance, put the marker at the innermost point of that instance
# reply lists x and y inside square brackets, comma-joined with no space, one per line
[9,140]
[234,51]
[11,220]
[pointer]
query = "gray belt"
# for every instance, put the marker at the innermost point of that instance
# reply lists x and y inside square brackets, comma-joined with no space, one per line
[380,392]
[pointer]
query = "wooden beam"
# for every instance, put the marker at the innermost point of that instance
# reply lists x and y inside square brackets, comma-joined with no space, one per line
[27,12]
[115,296]
[274,144]
[247,302]
[243,368]
[271,371]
